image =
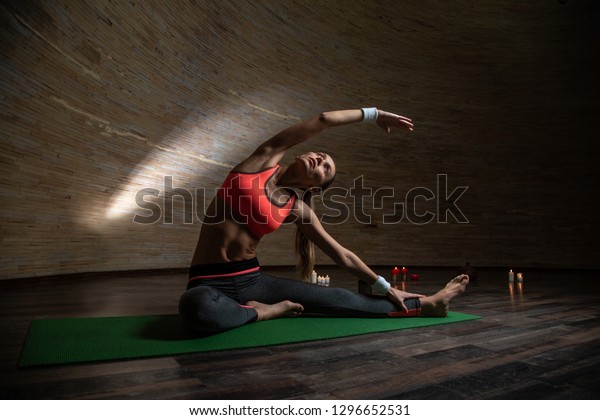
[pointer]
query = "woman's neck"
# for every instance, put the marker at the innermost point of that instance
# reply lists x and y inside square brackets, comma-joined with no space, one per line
[287,177]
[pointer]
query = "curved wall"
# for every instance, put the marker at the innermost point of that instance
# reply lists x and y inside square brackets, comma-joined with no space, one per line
[105,101]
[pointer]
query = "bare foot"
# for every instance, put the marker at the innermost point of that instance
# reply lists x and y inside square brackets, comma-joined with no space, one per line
[439,304]
[283,309]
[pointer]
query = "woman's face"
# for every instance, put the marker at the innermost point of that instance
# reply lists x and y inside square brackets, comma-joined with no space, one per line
[317,167]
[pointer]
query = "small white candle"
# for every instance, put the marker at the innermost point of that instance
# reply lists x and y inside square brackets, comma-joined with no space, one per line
[520,277]
[511,276]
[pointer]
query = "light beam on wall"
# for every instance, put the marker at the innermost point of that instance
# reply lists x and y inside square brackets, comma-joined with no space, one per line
[151,173]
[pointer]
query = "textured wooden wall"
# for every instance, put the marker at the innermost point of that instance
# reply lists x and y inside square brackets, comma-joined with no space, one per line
[102,99]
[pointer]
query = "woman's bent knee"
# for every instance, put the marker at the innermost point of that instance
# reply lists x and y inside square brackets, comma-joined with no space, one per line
[198,307]
[205,309]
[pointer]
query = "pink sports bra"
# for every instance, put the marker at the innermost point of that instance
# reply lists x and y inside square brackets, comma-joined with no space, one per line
[246,197]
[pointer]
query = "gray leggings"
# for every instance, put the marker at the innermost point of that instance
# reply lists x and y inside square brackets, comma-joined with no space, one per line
[217,304]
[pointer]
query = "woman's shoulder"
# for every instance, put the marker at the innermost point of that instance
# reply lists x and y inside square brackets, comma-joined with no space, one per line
[249,170]
[256,163]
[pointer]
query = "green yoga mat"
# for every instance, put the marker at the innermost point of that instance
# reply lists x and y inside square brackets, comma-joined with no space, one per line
[72,340]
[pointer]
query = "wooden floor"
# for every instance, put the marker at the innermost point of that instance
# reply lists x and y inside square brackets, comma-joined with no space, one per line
[540,341]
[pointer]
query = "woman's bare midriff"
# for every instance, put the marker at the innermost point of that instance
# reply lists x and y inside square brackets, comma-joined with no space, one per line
[223,240]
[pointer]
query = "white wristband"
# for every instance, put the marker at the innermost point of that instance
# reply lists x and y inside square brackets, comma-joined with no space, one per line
[369,114]
[381,286]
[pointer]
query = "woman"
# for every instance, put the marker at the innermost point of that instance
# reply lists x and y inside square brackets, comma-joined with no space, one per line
[226,287]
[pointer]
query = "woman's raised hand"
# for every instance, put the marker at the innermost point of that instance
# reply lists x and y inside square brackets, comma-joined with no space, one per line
[387,120]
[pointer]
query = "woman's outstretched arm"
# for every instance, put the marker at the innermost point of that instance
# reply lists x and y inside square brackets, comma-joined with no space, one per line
[272,151]
[308,222]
